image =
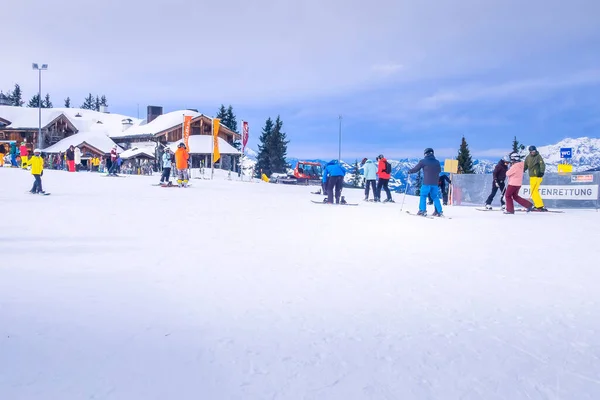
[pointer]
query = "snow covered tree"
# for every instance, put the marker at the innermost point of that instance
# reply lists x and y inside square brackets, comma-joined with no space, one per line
[231,119]
[356,177]
[516,146]
[16,96]
[34,102]
[103,101]
[465,161]
[46,103]
[263,163]
[278,147]
[68,102]
[88,103]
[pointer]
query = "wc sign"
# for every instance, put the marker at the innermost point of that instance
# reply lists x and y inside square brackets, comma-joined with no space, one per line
[566,152]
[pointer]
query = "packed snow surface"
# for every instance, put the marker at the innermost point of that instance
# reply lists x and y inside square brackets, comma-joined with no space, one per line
[112,288]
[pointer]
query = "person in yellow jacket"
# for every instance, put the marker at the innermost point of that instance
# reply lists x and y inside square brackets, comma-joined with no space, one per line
[534,163]
[36,162]
[181,163]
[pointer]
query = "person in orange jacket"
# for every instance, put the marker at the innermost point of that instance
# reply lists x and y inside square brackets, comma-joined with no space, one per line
[181,163]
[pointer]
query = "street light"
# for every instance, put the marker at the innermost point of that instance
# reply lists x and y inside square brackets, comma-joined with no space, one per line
[40,69]
[340,145]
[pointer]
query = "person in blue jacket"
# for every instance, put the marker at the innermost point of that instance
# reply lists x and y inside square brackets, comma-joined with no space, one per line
[431,171]
[334,174]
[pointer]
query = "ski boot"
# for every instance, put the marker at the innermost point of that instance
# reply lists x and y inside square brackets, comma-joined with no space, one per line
[389,201]
[438,214]
[343,201]
[488,207]
[422,213]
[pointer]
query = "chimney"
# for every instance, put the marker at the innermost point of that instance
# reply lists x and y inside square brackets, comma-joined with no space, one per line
[153,112]
[126,124]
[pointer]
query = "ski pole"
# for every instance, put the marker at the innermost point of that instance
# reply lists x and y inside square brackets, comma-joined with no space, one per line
[405,190]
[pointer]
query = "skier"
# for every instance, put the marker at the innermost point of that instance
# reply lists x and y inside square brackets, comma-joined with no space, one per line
[37,170]
[70,154]
[431,171]
[534,163]
[114,165]
[181,163]
[443,181]
[499,177]
[13,154]
[370,174]
[333,175]
[166,161]
[515,180]
[384,172]
[24,155]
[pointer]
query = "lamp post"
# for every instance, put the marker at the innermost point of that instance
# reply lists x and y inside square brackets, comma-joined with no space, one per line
[340,144]
[39,68]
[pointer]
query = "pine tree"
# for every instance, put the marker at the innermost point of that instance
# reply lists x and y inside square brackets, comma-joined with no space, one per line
[231,119]
[34,102]
[88,103]
[16,96]
[263,164]
[356,178]
[103,101]
[465,161]
[46,103]
[516,146]
[97,104]
[278,148]
[222,115]
[68,102]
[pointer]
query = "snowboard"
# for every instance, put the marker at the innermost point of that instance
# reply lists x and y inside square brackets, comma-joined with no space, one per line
[41,194]
[542,212]
[334,204]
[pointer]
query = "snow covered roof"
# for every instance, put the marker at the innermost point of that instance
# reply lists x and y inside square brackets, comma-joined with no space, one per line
[159,124]
[144,148]
[98,140]
[83,120]
[202,144]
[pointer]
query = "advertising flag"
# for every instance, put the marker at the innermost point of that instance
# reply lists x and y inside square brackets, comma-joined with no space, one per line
[216,154]
[187,121]
[244,135]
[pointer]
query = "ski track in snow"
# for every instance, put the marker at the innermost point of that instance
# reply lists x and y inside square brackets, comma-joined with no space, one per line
[116,289]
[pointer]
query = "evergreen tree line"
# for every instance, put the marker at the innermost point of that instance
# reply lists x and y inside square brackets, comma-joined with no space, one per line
[465,161]
[272,149]
[15,97]
[229,119]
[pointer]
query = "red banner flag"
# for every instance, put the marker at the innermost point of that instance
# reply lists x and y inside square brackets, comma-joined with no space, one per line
[244,135]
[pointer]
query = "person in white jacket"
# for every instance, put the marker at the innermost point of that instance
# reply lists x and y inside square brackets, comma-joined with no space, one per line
[370,174]
[166,164]
[77,158]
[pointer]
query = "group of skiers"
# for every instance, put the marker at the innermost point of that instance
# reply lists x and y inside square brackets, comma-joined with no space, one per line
[181,161]
[513,167]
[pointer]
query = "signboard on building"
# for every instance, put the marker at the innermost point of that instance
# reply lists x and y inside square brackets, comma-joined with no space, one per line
[566,152]
[582,178]
[564,192]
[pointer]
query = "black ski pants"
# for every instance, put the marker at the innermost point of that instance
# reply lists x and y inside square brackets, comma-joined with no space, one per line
[373,185]
[383,183]
[37,184]
[166,174]
[334,183]
[494,191]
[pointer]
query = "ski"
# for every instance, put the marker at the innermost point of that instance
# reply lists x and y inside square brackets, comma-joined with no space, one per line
[542,212]
[487,209]
[335,204]
[427,216]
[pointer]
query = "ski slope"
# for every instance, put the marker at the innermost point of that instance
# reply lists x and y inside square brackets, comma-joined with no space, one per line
[111,288]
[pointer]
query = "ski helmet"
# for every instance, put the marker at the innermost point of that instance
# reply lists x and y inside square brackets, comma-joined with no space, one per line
[515,157]
[532,148]
[37,151]
[181,144]
[379,157]
[506,159]
[428,151]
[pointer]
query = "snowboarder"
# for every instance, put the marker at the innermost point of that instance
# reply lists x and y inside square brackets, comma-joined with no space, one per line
[181,163]
[37,170]
[534,163]
[384,172]
[24,155]
[166,161]
[333,175]
[70,154]
[443,183]
[499,177]
[431,171]
[370,174]
[114,165]
[515,180]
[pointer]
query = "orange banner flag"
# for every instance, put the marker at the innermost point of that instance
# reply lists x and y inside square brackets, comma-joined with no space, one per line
[187,122]
[216,154]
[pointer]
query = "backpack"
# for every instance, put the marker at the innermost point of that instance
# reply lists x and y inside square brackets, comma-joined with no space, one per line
[388,168]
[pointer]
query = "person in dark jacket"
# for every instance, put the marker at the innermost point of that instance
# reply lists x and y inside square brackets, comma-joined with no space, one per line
[499,177]
[71,158]
[534,163]
[384,178]
[334,174]
[431,171]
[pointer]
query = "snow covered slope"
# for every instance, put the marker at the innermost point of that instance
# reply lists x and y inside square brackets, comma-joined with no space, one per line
[239,290]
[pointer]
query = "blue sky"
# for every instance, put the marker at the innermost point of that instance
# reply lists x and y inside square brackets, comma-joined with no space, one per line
[403,74]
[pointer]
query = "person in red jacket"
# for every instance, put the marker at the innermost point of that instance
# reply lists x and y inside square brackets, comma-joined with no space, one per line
[384,172]
[24,152]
